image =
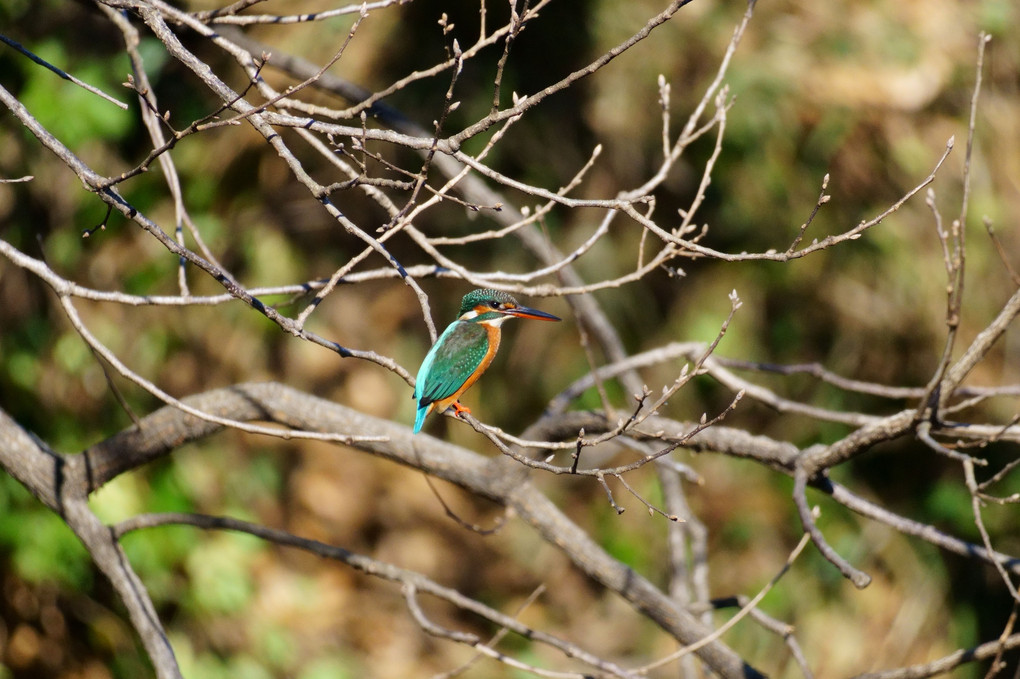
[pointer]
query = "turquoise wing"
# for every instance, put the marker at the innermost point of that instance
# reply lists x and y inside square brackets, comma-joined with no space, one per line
[454,357]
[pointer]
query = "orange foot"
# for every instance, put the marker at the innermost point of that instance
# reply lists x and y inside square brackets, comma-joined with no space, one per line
[458,408]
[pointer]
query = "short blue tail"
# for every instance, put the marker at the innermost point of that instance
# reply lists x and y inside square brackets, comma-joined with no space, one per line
[419,418]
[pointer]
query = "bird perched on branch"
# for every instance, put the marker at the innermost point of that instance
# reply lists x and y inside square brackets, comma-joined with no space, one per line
[465,350]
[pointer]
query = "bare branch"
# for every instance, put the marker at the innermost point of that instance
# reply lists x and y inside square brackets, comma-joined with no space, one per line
[14,44]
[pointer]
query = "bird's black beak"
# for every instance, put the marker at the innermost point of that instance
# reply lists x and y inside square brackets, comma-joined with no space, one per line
[525,312]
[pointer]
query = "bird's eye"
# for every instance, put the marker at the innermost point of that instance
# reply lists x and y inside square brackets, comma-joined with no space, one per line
[494,304]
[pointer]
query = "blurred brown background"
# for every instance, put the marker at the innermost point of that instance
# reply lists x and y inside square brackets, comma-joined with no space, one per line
[868,92]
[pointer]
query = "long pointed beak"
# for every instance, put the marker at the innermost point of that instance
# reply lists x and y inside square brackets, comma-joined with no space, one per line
[525,312]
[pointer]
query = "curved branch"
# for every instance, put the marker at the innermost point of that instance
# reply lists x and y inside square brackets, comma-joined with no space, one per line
[499,479]
[59,483]
[373,567]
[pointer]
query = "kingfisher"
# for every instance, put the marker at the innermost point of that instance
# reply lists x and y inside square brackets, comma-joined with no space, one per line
[465,350]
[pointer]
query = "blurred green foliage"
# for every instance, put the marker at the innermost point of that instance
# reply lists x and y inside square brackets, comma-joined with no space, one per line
[93,120]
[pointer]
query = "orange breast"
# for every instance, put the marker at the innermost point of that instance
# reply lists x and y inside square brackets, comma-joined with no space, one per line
[490,353]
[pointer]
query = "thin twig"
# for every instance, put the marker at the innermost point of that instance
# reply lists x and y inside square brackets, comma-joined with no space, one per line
[740,615]
[63,74]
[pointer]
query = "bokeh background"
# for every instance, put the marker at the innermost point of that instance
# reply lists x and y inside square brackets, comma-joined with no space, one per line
[868,92]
